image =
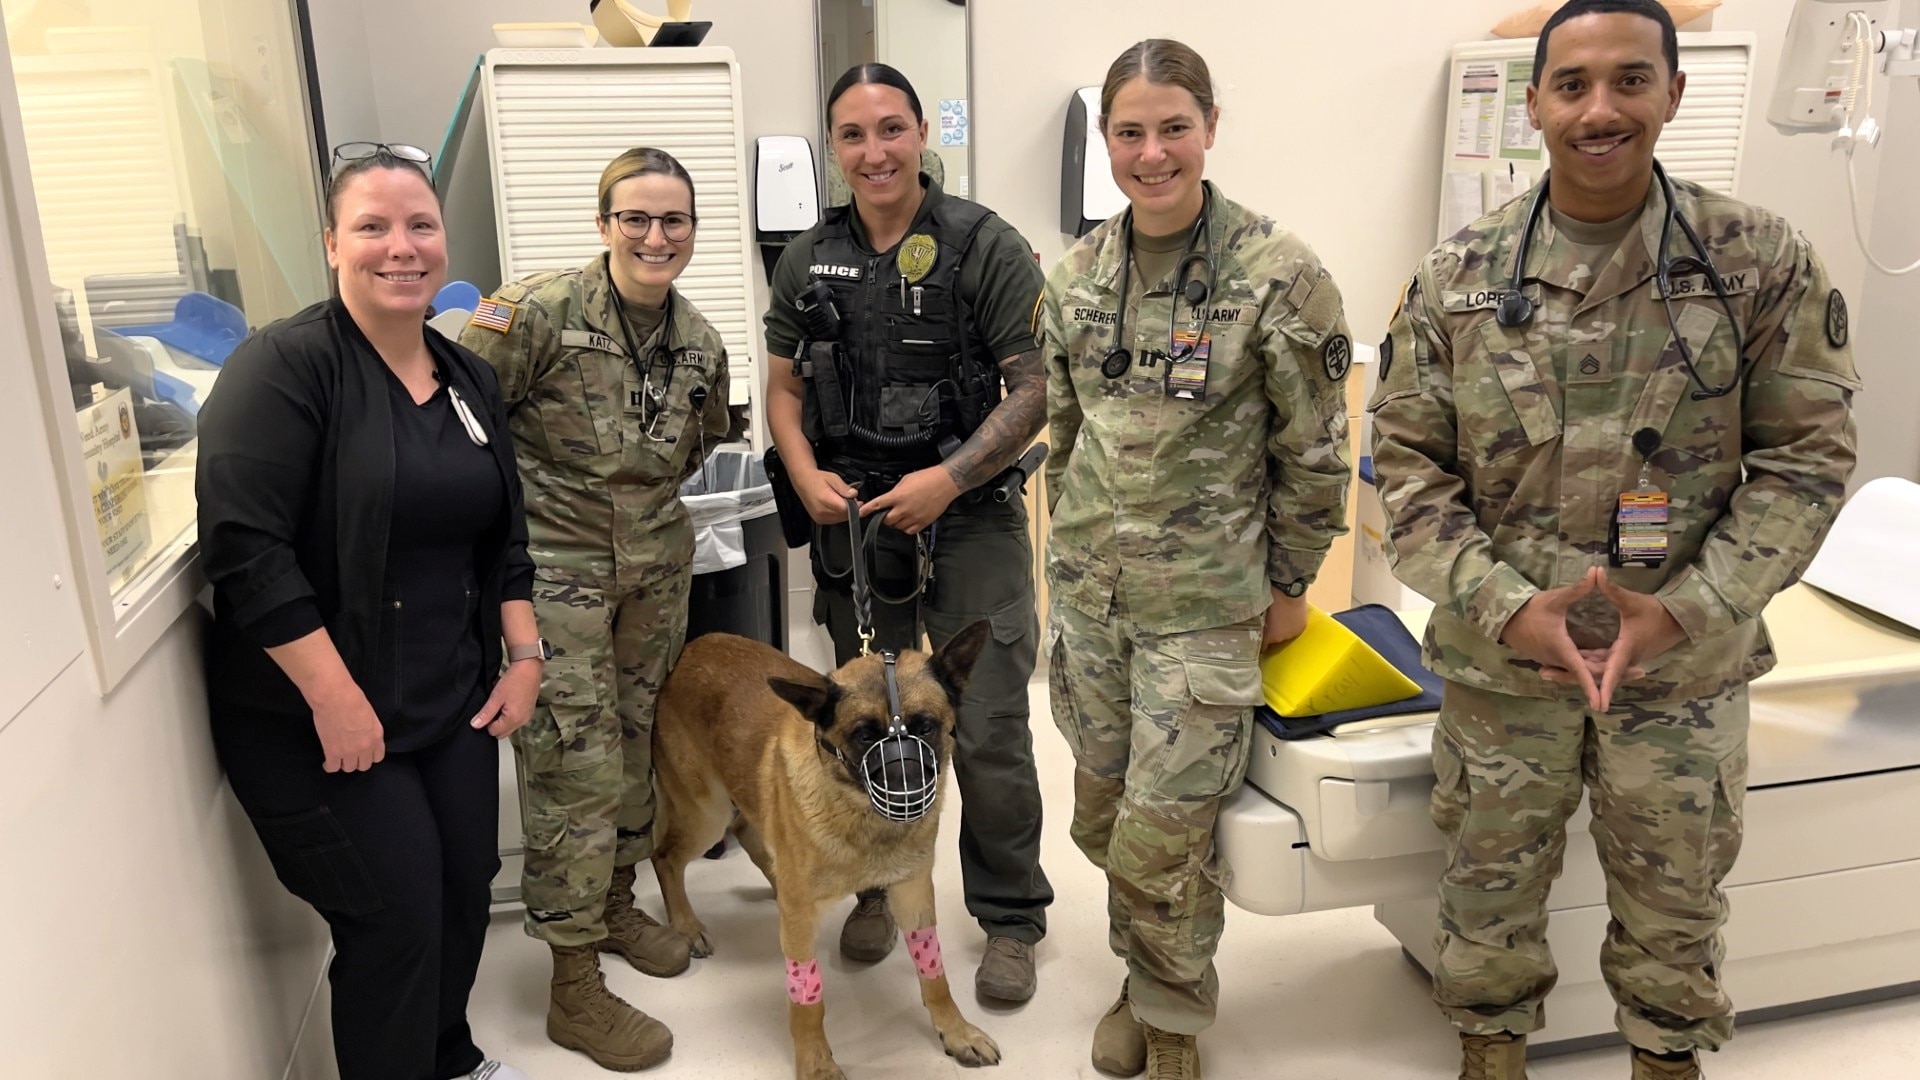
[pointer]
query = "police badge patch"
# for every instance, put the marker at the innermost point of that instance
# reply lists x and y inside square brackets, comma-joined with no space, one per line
[1836,320]
[916,257]
[1337,356]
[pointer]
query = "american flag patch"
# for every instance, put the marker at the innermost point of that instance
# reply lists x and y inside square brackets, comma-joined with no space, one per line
[494,315]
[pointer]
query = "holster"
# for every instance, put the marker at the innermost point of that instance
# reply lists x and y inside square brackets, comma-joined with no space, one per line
[796,525]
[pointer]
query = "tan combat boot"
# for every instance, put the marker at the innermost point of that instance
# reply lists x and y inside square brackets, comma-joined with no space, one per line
[869,932]
[1120,1040]
[1170,1056]
[1648,1067]
[654,949]
[585,1016]
[1499,1056]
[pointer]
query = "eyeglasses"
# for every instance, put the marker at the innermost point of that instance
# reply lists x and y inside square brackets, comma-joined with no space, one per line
[360,151]
[635,224]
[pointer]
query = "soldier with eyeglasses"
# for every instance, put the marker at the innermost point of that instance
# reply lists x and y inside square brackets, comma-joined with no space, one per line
[616,388]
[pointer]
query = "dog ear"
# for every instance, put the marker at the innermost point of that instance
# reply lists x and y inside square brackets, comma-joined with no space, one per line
[953,663]
[814,699]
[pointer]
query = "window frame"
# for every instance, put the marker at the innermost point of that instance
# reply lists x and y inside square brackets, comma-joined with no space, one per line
[120,629]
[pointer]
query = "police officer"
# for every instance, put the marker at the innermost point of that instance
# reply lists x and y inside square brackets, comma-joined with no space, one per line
[1196,354]
[617,387]
[907,309]
[1603,450]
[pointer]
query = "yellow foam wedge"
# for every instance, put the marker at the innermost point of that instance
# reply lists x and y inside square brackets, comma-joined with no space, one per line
[1328,668]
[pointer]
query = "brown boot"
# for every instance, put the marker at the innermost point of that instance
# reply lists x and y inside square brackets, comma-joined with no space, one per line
[1006,972]
[1120,1040]
[1171,1056]
[587,1017]
[869,932]
[1648,1067]
[1499,1056]
[631,932]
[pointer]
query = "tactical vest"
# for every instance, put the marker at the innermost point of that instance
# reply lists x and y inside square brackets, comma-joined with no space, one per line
[914,377]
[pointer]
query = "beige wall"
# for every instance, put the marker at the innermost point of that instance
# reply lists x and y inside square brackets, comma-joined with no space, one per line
[1331,119]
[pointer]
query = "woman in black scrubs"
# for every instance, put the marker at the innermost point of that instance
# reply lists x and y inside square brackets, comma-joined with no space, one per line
[361,524]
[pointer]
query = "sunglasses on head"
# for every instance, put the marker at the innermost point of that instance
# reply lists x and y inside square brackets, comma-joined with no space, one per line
[360,151]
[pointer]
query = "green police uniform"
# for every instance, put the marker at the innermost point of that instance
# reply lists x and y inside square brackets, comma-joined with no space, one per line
[1182,494]
[972,305]
[1501,454]
[604,439]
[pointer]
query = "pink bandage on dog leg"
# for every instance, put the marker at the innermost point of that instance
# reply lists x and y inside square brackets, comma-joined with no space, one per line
[924,947]
[803,982]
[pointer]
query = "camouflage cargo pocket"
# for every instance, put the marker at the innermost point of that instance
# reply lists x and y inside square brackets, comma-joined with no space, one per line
[1206,753]
[1728,826]
[1060,688]
[562,735]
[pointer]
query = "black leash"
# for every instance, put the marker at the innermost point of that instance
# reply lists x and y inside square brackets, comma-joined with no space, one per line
[862,590]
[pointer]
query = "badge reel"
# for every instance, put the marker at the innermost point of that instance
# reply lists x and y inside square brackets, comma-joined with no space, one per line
[1640,516]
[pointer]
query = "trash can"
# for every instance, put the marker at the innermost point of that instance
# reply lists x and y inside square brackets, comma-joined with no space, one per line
[739,554]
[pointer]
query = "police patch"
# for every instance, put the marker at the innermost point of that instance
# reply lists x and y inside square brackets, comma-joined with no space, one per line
[1337,355]
[1836,320]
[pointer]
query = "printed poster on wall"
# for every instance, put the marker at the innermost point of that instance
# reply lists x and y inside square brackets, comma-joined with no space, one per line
[110,451]
[953,121]
[1518,139]
[1479,114]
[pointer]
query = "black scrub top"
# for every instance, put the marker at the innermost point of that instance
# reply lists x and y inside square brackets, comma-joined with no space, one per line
[447,490]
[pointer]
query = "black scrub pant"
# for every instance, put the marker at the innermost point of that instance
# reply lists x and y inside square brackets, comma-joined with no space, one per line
[399,860]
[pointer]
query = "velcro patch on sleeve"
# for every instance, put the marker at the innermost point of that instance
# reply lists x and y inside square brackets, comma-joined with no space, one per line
[494,315]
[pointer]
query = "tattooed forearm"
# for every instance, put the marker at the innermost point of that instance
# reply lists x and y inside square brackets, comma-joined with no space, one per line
[1008,428]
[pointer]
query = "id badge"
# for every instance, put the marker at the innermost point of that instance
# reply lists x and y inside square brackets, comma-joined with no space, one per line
[1187,377]
[1640,528]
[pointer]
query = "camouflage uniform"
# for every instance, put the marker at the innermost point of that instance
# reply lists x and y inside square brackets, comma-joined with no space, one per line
[613,551]
[1172,519]
[1500,453]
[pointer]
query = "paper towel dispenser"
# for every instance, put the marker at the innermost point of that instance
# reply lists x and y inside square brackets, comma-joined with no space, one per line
[1088,195]
[786,193]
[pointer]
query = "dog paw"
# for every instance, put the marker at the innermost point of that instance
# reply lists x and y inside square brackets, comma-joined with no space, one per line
[696,935]
[818,1070]
[970,1046]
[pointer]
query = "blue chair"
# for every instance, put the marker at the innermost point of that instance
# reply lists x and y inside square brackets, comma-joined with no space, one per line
[203,325]
[461,295]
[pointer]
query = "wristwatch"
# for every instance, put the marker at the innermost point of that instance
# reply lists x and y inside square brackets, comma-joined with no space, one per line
[538,650]
[1293,589]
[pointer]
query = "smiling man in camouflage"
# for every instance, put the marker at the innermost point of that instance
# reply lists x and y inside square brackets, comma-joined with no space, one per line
[1601,481]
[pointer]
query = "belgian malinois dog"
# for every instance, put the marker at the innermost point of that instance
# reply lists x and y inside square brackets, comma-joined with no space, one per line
[837,783]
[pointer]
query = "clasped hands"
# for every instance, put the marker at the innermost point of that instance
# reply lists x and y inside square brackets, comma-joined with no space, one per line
[1538,631]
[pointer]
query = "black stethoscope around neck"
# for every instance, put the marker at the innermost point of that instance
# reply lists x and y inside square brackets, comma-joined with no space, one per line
[1196,291]
[1516,311]
[652,398]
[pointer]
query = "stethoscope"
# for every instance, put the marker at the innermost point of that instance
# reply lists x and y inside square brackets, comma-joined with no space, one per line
[1119,359]
[652,398]
[1516,310]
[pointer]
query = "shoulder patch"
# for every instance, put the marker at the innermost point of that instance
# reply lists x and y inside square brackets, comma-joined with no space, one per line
[1337,356]
[1837,326]
[1033,324]
[494,315]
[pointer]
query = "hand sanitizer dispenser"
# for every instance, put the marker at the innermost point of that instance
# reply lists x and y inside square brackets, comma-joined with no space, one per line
[1088,195]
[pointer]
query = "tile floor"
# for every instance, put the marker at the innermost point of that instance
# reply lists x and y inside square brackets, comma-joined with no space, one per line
[1324,996]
